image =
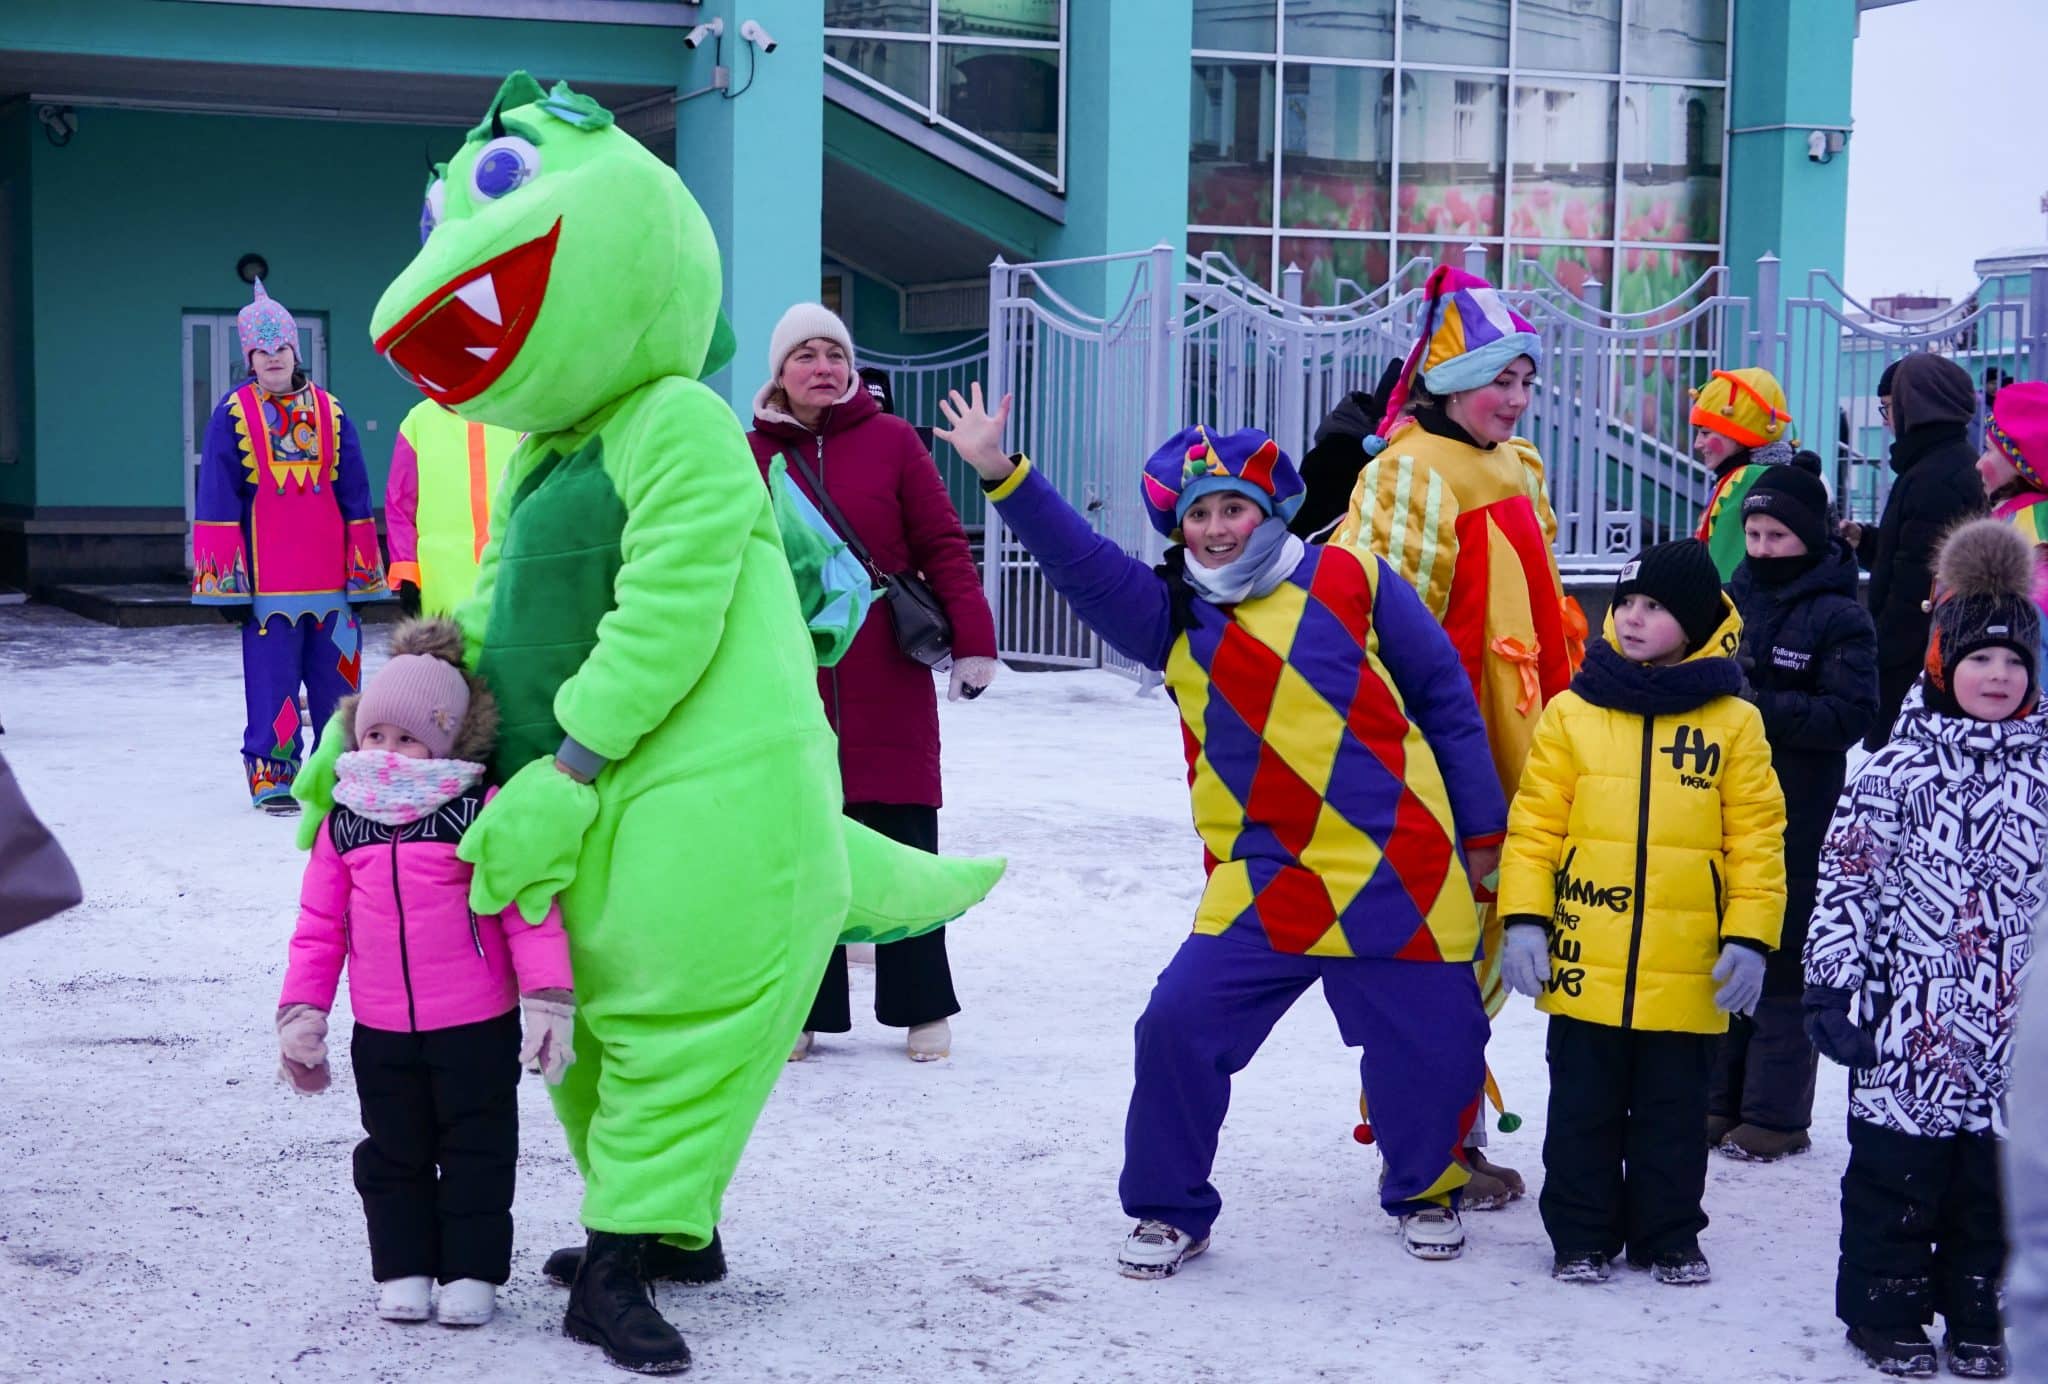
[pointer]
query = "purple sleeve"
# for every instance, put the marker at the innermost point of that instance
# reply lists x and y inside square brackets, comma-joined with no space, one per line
[220,550]
[319,946]
[1117,596]
[1438,695]
[352,478]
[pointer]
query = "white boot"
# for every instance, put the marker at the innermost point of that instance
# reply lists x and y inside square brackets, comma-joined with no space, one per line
[467,1302]
[803,1046]
[405,1299]
[1435,1232]
[1156,1250]
[929,1042]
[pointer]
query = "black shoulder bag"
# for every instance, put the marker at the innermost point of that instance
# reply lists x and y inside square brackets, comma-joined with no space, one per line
[922,630]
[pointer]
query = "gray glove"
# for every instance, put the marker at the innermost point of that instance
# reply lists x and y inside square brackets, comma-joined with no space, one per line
[550,1022]
[1741,973]
[1525,959]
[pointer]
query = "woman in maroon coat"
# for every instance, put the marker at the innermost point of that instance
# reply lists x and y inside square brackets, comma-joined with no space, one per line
[815,411]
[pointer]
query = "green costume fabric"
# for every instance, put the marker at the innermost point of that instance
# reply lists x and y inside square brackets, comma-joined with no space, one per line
[635,596]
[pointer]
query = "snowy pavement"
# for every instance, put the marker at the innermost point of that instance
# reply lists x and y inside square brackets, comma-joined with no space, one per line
[168,1211]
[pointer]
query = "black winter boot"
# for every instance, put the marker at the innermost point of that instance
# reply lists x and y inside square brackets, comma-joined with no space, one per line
[1977,1354]
[1901,1350]
[609,1308]
[662,1262]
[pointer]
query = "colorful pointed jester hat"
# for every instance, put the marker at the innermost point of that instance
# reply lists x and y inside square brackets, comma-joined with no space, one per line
[1195,462]
[2019,430]
[1468,336]
[265,324]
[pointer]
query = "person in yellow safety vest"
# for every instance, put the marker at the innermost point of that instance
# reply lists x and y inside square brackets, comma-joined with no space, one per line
[437,505]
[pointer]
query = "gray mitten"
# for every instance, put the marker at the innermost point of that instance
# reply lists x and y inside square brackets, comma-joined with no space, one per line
[1525,959]
[1741,973]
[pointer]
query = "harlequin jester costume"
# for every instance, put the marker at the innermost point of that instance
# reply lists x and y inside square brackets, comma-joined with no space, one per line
[1336,765]
[1745,406]
[282,527]
[667,768]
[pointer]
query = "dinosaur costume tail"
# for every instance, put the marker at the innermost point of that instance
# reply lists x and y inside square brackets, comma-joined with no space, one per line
[901,892]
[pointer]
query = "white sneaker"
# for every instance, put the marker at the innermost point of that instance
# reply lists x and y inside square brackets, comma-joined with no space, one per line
[803,1046]
[467,1302]
[1433,1233]
[1156,1250]
[929,1042]
[405,1299]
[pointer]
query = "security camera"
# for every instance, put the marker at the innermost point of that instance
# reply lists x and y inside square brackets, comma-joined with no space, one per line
[710,28]
[753,33]
[1817,146]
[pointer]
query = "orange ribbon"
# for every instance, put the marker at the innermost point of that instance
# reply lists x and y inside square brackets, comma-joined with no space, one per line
[1523,656]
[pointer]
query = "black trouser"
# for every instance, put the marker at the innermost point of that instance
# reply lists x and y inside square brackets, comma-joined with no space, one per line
[1624,1162]
[913,981]
[1764,1068]
[1923,1230]
[446,1099]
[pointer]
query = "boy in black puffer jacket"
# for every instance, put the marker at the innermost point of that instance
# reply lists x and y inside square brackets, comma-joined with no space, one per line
[1810,654]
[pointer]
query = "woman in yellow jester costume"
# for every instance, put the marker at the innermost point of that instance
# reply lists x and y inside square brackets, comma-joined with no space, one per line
[1454,501]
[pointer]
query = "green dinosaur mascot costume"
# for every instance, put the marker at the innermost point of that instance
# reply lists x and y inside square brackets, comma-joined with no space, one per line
[667,767]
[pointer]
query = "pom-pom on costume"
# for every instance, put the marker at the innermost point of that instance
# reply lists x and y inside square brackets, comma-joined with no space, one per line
[437,502]
[637,620]
[282,527]
[1746,406]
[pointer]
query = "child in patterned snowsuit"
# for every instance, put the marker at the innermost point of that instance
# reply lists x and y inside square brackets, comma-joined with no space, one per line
[1930,882]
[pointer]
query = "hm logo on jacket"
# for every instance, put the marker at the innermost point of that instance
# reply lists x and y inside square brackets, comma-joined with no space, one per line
[1691,743]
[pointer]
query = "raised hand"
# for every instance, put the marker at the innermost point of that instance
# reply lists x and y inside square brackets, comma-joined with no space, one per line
[977,434]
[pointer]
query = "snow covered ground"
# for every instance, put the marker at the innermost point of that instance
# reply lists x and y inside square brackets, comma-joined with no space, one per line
[169,1211]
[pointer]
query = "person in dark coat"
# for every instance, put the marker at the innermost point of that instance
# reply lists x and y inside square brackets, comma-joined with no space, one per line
[1330,470]
[816,411]
[1809,654]
[1932,400]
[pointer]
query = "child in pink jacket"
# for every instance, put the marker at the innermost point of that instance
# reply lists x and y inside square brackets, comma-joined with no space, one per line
[436,989]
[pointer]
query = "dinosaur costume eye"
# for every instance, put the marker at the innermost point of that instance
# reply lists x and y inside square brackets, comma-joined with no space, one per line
[504,164]
[431,208]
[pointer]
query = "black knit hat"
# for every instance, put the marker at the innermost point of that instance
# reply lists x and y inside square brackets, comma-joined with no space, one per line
[1682,578]
[1983,598]
[1795,498]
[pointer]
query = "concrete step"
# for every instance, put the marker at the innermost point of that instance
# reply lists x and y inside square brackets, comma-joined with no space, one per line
[139,605]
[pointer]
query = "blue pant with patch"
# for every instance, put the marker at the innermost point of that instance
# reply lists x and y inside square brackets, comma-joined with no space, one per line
[323,653]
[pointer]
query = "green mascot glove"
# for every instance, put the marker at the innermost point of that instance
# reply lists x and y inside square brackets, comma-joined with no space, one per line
[314,785]
[525,842]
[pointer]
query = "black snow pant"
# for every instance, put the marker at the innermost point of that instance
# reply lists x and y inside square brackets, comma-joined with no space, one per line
[442,1112]
[1764,1068]
[1624,1162]
[913,980]
[1923,1230]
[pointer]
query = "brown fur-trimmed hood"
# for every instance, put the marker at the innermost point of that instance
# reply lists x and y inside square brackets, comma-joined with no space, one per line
[442,639]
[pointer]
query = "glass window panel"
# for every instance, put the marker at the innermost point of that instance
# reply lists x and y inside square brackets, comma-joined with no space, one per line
[1252,254]
[1340,28]
[1337,127]
[1570,35]
[1326,264]
[1230,146]
[1453,138]
[1032,19]
[203,393]
[1449,252]
[1456,31]
[1236,26]
[896,16]
[1571,265]
[1564,159]
[1008,96]
[1671,162]
[902,67]
[1678,38]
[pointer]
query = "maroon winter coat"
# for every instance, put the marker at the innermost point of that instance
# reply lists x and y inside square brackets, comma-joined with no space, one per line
[884,705]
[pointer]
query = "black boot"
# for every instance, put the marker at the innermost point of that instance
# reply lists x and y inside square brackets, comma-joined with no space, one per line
[1900,1350]
[1977,1354]
[662,1262]
[609,1308]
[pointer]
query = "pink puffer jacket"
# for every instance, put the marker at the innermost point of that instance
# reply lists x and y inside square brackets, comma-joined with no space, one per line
[392,905]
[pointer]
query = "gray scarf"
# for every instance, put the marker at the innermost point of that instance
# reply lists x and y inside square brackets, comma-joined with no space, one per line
[1265,562]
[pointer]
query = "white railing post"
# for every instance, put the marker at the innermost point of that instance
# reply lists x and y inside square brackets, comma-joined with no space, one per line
[1290,427]
[994,387]
[1769,335]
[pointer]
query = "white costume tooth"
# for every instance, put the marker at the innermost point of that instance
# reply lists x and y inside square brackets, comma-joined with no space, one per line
[482,352]
[482,297]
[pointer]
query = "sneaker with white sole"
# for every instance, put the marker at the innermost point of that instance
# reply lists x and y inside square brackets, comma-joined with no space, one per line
[929,1042]
[466,1302]
[1156,1250]
[405,1299]
[1435,1232]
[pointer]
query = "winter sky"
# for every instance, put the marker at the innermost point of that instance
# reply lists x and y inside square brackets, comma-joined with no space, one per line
[1947,162]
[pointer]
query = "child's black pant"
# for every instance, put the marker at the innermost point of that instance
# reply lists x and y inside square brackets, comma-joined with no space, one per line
[1765,1069]
[1923,1230]
[446,1100]
[1624,1156]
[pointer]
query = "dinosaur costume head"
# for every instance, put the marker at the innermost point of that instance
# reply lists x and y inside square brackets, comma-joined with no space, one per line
[562,266]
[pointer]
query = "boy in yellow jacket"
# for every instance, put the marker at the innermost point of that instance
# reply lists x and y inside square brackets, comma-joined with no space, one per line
[1642,883]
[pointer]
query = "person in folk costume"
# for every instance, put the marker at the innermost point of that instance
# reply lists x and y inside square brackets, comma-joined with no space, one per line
[1455,502]
[284,544]
[437,505]
[2013,465]
[1740,427]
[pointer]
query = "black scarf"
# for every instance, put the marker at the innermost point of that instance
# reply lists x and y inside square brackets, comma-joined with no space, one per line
[1612,681]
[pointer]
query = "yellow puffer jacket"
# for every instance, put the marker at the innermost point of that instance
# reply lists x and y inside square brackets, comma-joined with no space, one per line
[1647,835]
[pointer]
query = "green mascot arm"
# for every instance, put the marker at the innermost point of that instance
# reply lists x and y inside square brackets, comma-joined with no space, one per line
[692,496]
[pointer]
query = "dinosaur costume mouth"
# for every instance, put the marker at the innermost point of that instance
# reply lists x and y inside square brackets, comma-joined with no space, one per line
[458,339]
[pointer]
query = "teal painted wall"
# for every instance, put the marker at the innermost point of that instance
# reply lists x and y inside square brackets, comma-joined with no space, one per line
[877,321]
[142,217]
[17,391]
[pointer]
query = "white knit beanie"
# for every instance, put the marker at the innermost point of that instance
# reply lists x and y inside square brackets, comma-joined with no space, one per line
[805,322]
